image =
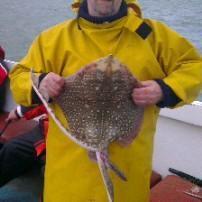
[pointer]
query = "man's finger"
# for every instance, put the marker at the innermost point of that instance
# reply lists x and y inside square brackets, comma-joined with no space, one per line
[141,91]
[140,97]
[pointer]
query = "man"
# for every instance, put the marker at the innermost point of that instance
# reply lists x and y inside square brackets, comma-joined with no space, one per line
[167,65]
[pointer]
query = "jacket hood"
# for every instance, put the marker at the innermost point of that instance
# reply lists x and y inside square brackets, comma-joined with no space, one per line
[132,5]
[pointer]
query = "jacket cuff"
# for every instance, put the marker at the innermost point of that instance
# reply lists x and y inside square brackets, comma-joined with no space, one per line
[35,98]
[170,99]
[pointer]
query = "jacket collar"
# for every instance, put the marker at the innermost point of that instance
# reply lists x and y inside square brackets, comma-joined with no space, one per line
[131,22]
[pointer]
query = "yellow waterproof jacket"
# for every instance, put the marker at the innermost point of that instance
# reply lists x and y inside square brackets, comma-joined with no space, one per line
[159,52]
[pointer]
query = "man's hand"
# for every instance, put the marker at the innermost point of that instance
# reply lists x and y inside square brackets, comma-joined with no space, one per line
[148,93]
[52,84]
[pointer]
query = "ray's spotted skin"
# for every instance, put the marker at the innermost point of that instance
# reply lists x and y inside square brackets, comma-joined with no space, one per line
[98,104]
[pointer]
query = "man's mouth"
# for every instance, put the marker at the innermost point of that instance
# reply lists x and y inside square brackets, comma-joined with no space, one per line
[106,0]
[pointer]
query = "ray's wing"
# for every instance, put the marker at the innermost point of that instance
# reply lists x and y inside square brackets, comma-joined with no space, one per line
[34,79]
[138,118]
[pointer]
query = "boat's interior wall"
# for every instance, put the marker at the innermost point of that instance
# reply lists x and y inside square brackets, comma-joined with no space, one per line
[178,145]
[191,114]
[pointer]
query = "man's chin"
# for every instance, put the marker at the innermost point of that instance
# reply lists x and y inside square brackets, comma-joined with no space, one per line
[105,0]
[106,8]
[106,13]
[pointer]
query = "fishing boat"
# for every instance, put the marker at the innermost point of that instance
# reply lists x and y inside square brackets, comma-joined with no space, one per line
[177,145]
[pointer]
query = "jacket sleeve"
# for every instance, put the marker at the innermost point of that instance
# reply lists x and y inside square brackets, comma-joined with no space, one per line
[20,76]
[179,60]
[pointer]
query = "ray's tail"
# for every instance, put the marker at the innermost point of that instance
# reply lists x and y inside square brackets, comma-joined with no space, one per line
[105,176]
[116,170]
